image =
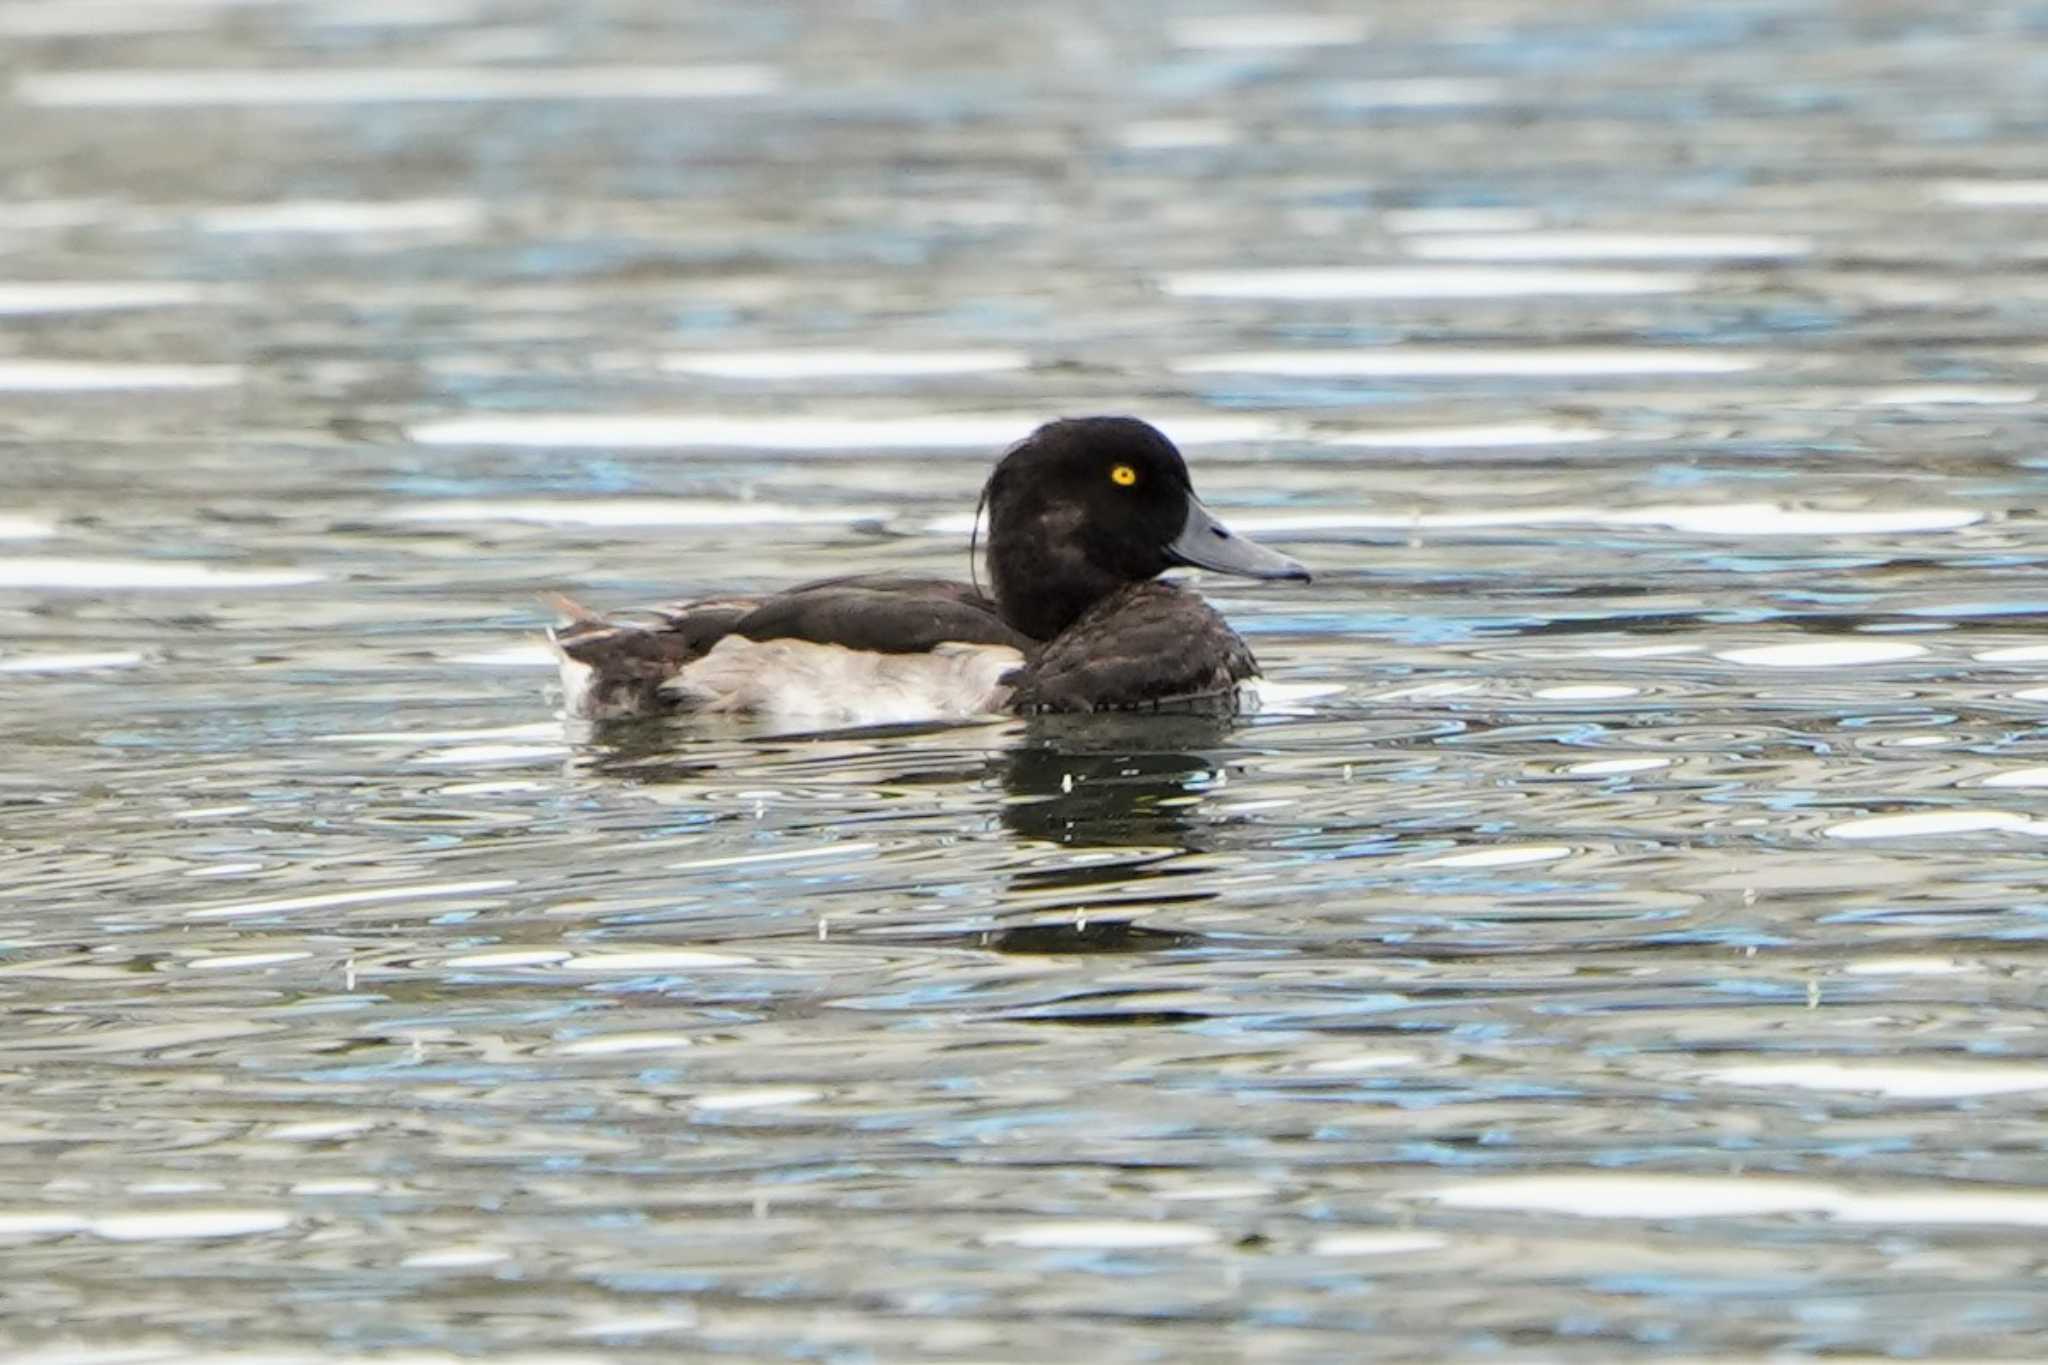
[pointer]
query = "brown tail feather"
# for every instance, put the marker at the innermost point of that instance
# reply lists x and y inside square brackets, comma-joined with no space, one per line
[617,668]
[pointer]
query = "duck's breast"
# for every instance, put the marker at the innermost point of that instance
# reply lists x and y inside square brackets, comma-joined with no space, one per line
[1148,645]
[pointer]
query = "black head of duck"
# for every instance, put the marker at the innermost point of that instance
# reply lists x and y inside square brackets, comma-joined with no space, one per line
[1085,506]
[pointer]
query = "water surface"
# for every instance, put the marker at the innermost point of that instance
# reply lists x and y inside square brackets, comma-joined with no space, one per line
[1619,936]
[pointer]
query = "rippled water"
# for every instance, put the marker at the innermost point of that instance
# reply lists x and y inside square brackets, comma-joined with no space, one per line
[1618,938]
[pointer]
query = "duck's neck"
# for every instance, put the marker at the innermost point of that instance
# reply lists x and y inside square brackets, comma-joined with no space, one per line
[1041,589]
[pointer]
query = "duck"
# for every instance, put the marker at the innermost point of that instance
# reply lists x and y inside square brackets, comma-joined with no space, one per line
[1084,514]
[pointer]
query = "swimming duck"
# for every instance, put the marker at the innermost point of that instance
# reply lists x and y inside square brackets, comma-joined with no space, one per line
[1083,515]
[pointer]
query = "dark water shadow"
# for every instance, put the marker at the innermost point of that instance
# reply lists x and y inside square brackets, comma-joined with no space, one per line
[1108,783]
[1111,781]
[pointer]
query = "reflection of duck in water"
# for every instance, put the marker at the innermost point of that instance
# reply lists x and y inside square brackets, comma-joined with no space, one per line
[1084,514]
[1103,782]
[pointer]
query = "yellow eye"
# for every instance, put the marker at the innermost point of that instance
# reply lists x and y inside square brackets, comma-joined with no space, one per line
[1123,476]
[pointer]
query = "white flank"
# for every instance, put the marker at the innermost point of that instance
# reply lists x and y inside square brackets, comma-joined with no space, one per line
[796,682]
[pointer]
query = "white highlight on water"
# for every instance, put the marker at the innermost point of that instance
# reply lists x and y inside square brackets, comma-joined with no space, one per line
[1420,92]
[536,655]
[330,900]
[613,1044]
[19,298]
[1610,246]
[1614,1195]
[149,574]
[787,855]
[1665,651]
[1949,1080]
[1355,1062]
[764,1097]
[69,663]
[1513,856]
[233,869]
[652,960]
[2014,654]
[1213,1191]
[1159,135]
[459,1257]
[1475,435]
[167,87]
[1824,654]
[1422,282]
[842,364]
[510,957]
[187,1224]
[1612,767]
[1473,362]
[1910,966]
[471,755]
[321,216]
[1950,395]
[612,1323]
[1993,194]
[693,512]
[321,1130]
[1103,1235]
[1377,1243]
[88,376]
[336,1185]
[1925,824]
[242,962]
